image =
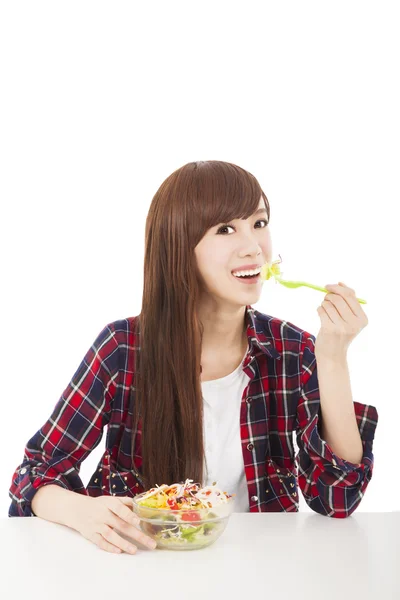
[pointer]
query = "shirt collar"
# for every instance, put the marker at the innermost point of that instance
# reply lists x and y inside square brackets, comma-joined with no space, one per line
[259,334]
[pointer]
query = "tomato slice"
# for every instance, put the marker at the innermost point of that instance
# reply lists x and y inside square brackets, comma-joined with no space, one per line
[191,516]
[172,504]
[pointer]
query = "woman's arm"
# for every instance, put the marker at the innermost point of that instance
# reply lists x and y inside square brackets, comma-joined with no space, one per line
[56,504]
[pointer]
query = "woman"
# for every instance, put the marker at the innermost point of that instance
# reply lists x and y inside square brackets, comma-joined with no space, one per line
[200,385]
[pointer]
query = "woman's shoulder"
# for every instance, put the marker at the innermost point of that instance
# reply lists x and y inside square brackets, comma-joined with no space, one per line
[123,330]
[280,329]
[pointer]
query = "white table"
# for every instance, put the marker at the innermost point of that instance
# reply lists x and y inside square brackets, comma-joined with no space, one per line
[283,556]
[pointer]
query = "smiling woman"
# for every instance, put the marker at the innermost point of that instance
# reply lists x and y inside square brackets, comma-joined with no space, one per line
[234,422]
[189,287]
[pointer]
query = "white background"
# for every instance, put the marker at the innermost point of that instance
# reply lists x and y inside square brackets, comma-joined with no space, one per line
[100,102]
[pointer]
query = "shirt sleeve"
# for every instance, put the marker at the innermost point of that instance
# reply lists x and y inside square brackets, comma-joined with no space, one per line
[331,486]
[54,454]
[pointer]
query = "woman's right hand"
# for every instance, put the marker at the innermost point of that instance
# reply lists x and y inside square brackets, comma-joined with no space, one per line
[97,516]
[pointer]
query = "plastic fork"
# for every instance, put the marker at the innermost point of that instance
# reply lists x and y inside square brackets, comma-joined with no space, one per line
[273,270]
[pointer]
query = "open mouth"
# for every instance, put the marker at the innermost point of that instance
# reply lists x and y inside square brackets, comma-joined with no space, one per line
[247,278]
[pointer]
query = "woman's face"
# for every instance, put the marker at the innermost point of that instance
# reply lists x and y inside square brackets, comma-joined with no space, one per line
[228,247]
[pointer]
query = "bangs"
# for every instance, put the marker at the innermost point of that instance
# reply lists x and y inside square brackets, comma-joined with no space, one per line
[223,192]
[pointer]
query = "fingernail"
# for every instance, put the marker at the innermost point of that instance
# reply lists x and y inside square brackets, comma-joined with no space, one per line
[152,544]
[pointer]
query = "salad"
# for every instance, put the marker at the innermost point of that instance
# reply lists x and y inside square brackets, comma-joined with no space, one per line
[184,513]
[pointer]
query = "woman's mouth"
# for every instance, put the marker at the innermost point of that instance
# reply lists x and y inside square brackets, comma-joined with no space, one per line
[251,279]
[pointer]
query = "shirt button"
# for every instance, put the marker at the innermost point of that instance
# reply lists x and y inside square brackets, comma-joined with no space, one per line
[254,498]
[22,471]
[250,446]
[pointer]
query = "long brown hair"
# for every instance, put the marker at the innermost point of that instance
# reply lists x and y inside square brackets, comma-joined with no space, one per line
[166,394]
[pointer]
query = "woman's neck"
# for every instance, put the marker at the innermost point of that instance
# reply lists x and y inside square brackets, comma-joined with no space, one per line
[217,351]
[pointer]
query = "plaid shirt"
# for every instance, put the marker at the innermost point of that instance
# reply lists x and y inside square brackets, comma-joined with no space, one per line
[282,397]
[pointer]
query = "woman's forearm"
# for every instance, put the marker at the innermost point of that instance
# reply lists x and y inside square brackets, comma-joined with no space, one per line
[339,424]
[54,503]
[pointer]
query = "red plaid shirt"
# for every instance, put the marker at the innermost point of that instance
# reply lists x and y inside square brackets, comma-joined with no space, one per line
[282,398]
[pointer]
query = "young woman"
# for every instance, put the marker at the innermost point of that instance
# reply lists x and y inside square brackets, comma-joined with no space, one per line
[200,385]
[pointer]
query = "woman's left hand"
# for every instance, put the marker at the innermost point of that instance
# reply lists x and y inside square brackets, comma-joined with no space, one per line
[342,319]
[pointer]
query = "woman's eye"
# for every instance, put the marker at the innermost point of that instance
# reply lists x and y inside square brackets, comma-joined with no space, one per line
[259,221]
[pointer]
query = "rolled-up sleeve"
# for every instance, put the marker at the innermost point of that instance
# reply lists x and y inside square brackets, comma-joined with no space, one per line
[331,486]
[54,454]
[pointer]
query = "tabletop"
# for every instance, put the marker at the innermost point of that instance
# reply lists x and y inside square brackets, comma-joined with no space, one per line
[259,555]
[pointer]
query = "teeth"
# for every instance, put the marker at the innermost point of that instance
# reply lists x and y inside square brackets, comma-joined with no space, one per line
[252,272]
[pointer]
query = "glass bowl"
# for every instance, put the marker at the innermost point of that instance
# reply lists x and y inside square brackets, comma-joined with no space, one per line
[184,529]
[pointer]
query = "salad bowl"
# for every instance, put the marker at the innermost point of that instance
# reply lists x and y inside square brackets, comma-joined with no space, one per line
[183,516]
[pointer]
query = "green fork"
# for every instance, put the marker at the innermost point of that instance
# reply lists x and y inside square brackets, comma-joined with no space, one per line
[296,284]
[273,270]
